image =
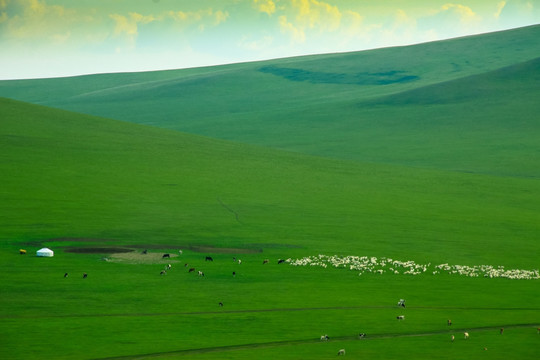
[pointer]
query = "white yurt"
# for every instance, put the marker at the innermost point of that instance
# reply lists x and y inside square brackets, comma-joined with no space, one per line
[46,252]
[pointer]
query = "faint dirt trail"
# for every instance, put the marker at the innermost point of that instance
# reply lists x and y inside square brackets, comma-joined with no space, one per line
[188,352]
[188,313]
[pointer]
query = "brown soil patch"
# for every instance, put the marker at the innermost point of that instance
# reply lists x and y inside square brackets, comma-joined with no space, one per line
[74,239]
[97,250]
[219,250]
[136,257]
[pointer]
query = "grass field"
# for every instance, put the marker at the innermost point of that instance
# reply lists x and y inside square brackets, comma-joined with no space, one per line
[384,181]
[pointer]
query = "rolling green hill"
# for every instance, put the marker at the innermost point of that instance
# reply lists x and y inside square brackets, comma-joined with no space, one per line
[466,104]
[73,175]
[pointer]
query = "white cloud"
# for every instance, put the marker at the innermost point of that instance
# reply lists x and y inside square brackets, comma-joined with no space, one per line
[265,6]
[297,34]
[500,7]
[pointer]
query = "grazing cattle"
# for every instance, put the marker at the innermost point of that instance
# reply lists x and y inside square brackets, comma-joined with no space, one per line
[220,304]
[66,275]
[145,251]
[449,322]
[453,338]
[239,261]
[163,272]
[22,251]
[234,273]
[180,252]
[341,352]
[266,261]
[401,302]
[191,270]
[208,258]
[186,265]
[280,261]
[466,335]
[168,267]
[362,335]
[400,317]
[324,337]
[85,275]
[201,273]
[501,331]
[166,256]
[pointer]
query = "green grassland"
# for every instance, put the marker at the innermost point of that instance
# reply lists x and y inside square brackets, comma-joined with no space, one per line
[82,182]
[429,161]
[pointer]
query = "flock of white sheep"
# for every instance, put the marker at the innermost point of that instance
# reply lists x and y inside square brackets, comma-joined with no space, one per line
[383,265]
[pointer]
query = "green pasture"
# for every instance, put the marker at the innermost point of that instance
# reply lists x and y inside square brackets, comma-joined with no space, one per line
[269,310]
[426,153]
[79,182]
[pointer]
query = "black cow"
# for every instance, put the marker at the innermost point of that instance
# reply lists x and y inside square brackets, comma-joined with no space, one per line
[66,275]
[85,275]
[280,261]
[166,256]
[208,258]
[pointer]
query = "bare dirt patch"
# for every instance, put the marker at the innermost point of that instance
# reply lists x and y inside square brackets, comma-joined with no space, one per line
[97,250]
[136,257]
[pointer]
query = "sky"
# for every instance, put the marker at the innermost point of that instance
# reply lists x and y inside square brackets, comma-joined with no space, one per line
[54,38]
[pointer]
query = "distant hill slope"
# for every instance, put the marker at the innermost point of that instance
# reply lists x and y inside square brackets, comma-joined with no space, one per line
[466,104]
[71,175]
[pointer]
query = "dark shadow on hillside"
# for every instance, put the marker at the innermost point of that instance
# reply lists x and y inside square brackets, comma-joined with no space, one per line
[499,84]
[380,78]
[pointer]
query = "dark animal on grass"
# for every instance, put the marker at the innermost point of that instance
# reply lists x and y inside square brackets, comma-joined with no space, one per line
[400,317]
[166,256]
[324,337]
[191,270]
[449,322]
[145,252]
[501,331]
[85,275]
[208,258]
[266,261]
[168,267]
[362,335]
[163,272]
[234,273]
[280,261]
[220,304]
[186,265]
[66,275]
